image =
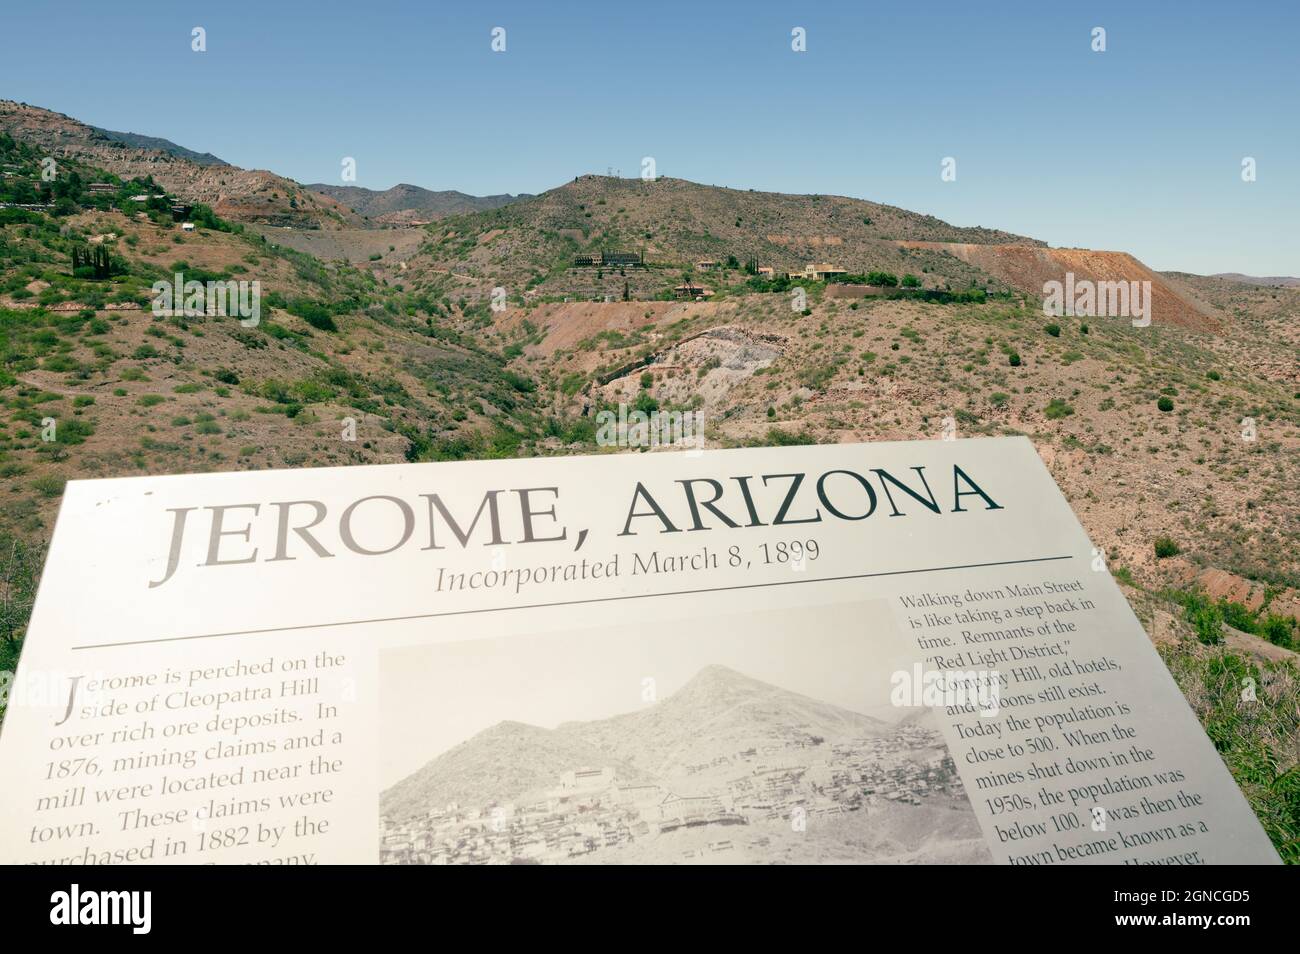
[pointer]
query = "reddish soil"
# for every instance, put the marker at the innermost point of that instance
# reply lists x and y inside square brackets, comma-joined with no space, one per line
[1028,267]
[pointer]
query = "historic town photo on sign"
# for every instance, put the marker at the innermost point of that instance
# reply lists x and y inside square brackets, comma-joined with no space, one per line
[754,738]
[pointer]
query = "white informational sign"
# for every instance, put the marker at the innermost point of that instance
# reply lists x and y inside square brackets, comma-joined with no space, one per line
[896,652]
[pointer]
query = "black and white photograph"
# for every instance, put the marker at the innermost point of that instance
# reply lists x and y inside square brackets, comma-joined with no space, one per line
[773,742]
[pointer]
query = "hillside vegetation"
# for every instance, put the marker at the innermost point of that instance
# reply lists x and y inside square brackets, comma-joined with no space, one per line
[528,247]
[1177,444]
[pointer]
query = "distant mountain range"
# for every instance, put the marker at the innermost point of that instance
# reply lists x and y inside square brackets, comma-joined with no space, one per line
[718,713]
[406,204]
[1276,281]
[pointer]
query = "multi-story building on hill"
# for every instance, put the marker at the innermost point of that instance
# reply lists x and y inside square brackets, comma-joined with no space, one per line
[819,272]
[609,260]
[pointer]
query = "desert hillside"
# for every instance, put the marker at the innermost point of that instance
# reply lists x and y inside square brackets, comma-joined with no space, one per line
[1177,444]
[1027,268]
[1091,393]
[529,246]
[241,195]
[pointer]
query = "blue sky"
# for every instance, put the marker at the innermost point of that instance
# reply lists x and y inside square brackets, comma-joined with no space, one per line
[1138,148]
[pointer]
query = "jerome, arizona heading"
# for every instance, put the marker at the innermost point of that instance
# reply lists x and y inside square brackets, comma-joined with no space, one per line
[283,530]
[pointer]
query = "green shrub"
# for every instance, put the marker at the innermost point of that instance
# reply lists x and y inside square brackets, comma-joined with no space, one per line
[75,430]
[20,568]
[1166,547]
[518,381]
[1057,408]
[60,363]
[1255,736]
[48,485]
[314,313]
[776,437]
[1279,630]
[1207,621]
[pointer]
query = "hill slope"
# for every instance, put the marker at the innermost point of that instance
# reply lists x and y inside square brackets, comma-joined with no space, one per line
[498,764]
[137,141]
[240,195]
[137,390]
[529,245]
[1027,268]
[720,711]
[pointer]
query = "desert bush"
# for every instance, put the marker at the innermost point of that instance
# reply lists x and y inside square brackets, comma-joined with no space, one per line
[314,313]
[1057,408]
[20,570]
[48,485]
[1255,736]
